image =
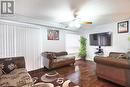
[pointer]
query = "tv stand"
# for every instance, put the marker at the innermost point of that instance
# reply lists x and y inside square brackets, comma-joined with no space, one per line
[99,51]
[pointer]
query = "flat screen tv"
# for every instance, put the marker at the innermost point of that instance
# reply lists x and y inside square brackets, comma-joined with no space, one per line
[100,39]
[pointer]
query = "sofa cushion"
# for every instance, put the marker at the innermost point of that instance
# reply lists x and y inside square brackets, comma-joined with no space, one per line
[60,53]
[122,56]
[49,55]
[64,58]
[8,65]
[18,77]
[117,55]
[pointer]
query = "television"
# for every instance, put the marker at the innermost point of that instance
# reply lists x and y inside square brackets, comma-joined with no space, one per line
[100,39]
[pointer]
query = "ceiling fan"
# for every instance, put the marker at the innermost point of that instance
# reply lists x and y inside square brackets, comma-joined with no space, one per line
[75,6]
[77,18]
[77,22]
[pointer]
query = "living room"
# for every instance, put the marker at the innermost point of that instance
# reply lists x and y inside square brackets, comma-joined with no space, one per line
[77,43]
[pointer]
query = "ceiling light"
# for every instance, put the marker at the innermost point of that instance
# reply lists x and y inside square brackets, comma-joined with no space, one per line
[75,23]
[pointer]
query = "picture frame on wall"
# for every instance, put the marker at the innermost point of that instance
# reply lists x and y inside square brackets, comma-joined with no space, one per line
[123,27]
[53,34]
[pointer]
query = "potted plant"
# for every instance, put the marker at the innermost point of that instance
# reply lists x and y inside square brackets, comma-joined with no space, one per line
[82,50]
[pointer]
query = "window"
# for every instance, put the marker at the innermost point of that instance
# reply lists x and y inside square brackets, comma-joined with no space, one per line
[72,43]
[21,40]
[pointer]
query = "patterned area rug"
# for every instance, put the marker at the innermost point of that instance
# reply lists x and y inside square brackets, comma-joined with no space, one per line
[65,84]
[53,79]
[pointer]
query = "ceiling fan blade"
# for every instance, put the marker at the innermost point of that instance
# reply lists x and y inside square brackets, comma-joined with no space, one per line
[86,22]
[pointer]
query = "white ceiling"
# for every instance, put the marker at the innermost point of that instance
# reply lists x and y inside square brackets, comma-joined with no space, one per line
[97,11]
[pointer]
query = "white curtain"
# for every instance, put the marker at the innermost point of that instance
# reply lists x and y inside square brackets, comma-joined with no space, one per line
[72,43]
[7,40]
[16,40]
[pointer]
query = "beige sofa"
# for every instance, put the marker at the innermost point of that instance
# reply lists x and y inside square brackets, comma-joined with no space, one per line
[57,59]
[19,77]
[115,68]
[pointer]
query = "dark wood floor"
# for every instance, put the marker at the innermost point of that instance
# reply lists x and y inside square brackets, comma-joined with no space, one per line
[83,74]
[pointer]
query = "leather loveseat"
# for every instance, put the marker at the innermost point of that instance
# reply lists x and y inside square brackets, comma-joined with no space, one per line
[115,68]
[19,77]
[57,59]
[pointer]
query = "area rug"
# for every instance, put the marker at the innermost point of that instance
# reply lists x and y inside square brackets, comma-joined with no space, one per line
[65,84]
[53,81]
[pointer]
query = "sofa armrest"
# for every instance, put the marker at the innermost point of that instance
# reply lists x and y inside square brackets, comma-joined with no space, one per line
[48,58]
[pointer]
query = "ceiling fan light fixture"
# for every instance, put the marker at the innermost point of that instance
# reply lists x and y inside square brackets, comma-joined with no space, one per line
[75,24]
[86,22]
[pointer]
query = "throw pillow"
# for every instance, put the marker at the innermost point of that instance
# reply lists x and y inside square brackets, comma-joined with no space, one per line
[8,66]
[1,66]
[121,56]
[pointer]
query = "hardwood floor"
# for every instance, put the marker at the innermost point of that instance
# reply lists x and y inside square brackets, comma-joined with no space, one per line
[83,74]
